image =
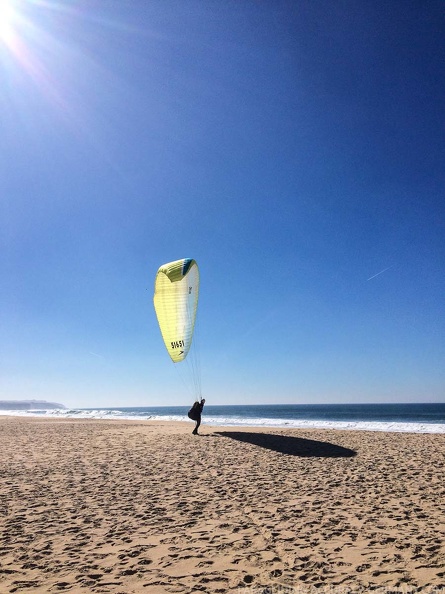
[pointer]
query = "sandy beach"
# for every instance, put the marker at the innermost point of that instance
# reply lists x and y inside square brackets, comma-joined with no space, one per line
[128,507]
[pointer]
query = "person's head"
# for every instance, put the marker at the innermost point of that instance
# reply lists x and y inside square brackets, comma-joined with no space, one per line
[203,400]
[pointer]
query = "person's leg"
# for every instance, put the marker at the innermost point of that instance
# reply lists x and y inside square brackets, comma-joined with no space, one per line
[198,423]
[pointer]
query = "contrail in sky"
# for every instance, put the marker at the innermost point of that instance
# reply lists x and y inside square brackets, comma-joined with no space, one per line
[381,272]
[96,355]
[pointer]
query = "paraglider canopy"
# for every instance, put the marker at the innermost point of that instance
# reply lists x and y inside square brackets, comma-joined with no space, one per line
[176,301]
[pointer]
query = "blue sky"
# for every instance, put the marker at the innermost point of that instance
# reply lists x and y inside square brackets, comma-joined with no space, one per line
[295,149]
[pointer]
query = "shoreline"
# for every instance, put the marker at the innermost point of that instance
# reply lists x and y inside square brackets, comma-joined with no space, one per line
[265,423]
[143,506]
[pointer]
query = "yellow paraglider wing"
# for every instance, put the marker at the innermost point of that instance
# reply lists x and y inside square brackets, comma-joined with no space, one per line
[175,301]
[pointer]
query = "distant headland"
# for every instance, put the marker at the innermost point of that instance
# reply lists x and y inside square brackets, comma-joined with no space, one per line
[28,405]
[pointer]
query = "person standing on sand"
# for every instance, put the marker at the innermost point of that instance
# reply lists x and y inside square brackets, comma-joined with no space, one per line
[198,406]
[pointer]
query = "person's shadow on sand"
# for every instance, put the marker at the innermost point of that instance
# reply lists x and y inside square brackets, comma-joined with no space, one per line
[293,446]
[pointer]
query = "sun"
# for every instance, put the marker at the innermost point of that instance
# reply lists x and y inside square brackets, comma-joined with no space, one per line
[7,16]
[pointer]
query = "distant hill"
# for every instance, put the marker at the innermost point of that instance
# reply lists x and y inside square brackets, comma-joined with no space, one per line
[28,405]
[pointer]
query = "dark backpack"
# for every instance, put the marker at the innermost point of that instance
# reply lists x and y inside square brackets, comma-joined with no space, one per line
[193,413]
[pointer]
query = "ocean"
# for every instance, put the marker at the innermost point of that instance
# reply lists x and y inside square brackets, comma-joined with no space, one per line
[414,418]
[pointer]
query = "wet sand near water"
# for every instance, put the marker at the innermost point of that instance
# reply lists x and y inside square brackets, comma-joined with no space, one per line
[127,507]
